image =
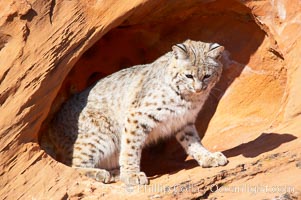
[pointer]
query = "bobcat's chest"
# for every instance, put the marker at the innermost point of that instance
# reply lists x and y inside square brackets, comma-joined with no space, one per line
[172,124]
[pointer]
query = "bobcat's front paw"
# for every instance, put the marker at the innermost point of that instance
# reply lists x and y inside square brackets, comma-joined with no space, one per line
[134,178]
[212,159]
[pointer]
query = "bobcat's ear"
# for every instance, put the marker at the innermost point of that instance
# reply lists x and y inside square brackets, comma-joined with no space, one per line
[215,50]
[180,51]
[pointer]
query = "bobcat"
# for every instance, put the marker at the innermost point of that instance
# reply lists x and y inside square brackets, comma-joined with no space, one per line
[104,128]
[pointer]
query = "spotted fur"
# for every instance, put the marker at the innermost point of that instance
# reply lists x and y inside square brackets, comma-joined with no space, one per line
[106,127]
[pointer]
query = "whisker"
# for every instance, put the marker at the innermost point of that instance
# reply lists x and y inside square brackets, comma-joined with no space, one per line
[217,89]
[218,94]
[213,95]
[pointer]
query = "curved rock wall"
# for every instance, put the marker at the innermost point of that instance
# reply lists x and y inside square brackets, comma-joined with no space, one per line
[48,51]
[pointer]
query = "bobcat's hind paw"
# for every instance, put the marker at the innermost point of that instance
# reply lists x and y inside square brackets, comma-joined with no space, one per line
[134,178]
[100,175]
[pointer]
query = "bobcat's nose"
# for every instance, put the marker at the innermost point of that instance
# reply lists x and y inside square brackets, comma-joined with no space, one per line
[198,90]
[199,86]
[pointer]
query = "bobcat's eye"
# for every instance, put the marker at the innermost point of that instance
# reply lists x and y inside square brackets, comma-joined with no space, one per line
[207,76]
[189,76]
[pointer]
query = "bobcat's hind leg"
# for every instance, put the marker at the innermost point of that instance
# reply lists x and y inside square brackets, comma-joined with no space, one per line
[101,175]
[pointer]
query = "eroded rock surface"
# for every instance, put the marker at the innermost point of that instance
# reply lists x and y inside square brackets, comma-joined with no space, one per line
[50,50]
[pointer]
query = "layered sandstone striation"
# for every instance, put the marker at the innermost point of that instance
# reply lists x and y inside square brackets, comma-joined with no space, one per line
[50,50]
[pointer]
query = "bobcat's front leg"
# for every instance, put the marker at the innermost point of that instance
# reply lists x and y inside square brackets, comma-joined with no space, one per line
[132,142]
[190,141]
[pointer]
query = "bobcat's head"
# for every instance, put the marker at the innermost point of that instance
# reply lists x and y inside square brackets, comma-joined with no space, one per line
[196,66]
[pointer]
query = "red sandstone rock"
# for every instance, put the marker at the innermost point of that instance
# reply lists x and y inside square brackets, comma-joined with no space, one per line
[48,51]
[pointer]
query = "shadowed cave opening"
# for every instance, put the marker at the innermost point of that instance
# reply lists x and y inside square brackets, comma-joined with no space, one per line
[141,41]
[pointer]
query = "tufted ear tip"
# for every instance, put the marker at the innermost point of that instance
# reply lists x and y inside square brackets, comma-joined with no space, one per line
[214,46]
[180,51]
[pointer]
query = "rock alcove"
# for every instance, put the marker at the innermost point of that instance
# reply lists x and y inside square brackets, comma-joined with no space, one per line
[139,42]
[253,111]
